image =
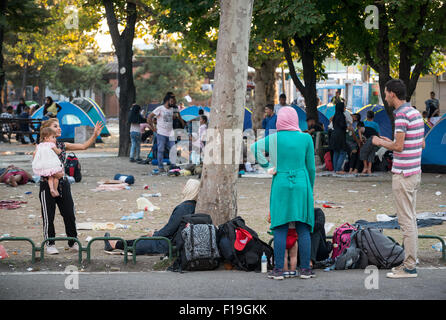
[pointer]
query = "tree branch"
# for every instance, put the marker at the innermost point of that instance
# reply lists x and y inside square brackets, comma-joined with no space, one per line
[129,31]
[293,72]
[112,22]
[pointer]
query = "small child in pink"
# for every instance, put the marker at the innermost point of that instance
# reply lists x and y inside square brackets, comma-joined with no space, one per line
[46,163]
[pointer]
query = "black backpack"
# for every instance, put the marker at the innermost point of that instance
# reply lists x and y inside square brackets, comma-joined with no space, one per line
[248,259]
[73,167]
[380,250]
[320,247]
[196,244]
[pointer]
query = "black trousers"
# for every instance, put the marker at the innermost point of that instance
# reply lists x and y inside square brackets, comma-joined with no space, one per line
[66,207]
[146,246]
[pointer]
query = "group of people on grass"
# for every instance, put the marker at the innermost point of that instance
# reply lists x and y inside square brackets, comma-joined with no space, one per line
[292,163]
[163,123]
[288,154]
[350,138]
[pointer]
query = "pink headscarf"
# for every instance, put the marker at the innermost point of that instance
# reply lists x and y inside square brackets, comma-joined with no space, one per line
[287,120]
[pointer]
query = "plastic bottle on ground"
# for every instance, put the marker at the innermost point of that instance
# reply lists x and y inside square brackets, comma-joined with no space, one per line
[437,247]
[264,263]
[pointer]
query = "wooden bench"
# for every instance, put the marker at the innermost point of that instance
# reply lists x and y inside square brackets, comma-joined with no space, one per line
[9,126]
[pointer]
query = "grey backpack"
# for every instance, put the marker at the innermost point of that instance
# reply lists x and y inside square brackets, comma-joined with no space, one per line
[380,250]
[200,247]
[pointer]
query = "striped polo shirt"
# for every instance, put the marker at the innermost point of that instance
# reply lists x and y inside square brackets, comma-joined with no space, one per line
[409,121]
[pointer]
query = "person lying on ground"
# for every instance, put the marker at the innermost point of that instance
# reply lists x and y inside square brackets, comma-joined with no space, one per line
[14,176]
[190,195]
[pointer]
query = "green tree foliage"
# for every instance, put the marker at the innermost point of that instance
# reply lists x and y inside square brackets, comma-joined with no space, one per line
[70,79]
[196,26]
[164,70]
[65,36]
[18,16]
[407,43]
[305,29]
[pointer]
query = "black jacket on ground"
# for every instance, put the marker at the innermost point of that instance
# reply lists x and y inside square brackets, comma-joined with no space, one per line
[169,230]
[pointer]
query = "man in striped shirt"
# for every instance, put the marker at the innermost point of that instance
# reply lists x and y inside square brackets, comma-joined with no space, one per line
[407,148]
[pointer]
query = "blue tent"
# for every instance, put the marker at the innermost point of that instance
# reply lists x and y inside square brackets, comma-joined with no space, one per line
[247,120]
[247,124]
[381,118]
[327,109]
[433,158]
[70,117]
[191,112]
[303,118]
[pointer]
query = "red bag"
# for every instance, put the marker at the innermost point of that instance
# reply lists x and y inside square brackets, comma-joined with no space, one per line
[328,163]
[3,253]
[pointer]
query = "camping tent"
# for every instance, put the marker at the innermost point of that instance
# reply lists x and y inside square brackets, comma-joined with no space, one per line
[31,103]
[381,118]
[70,117]
[433,158]
[247,123]
[303,118]
[94,112]
[327,109]
[427,127]
[247,120]
[191,112]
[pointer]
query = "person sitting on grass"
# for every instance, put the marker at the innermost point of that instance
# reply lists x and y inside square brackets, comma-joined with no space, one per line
[368,150]
[313,126]
[190,195]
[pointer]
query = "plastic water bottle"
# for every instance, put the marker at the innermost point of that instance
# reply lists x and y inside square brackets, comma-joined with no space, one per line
[70,180]
[264,263]
[437,247]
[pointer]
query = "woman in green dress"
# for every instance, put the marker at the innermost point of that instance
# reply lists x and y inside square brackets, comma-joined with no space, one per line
[292,163]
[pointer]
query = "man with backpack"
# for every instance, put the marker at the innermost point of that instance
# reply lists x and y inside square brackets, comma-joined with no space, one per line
[407,148]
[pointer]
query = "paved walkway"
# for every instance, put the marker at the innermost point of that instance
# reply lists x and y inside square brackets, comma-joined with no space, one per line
[230,285]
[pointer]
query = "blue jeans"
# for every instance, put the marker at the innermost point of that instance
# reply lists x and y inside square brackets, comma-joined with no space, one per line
[162,143]
[304,244]
[338,160]
[135,138]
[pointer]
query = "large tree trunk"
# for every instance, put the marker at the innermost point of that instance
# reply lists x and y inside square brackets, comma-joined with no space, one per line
[127,97]
[309,90]
[123,44]
[218,195]
[265,91]
[310,93]
[3,5]
[383,56]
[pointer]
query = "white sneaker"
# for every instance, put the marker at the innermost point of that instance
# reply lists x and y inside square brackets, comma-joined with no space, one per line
[51,249]
[75,247]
